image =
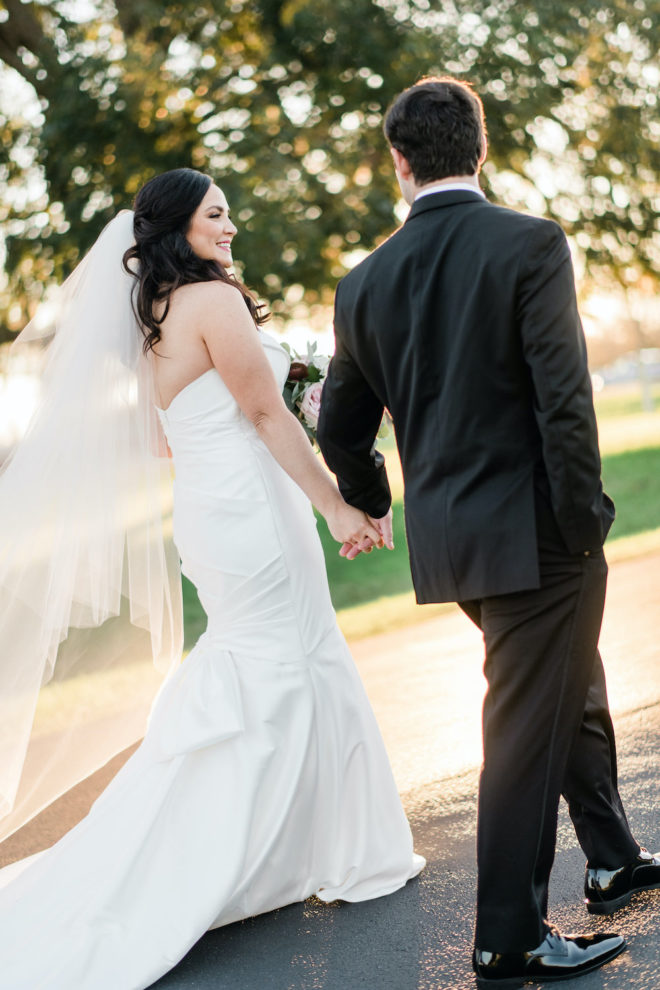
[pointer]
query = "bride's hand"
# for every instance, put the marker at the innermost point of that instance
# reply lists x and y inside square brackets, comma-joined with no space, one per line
[352,528]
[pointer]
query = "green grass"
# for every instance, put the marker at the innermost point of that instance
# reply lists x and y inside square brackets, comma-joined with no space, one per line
[632,479]
[194,620]
[372,575]
[382,615]
[623,400]
[352,582]
[375,594]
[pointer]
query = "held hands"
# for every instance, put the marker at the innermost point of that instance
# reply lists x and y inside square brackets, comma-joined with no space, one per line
[383,526]
[352,528]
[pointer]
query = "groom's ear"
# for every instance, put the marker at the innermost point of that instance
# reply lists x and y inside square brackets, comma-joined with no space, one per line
[484,150]
[401,164]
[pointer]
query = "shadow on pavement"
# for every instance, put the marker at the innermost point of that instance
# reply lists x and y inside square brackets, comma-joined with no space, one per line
[420,937]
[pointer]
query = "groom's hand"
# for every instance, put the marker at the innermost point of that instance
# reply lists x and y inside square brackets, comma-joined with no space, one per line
[384,526]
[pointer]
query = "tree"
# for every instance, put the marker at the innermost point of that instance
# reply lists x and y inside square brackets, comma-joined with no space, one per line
[257,94]
[283,100]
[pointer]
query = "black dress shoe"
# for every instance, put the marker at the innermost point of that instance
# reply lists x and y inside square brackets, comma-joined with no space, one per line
[558,957]
[608,890]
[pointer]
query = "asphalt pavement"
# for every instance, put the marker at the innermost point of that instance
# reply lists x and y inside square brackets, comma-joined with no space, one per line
[426,687]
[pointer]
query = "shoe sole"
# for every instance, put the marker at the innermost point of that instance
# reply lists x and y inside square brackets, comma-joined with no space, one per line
[515,982]
[609,907]
[509,984]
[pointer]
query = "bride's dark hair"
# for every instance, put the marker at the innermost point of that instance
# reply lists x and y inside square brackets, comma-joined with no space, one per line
[165,260]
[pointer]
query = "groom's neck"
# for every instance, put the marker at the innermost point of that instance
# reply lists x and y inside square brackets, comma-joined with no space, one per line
[414,188]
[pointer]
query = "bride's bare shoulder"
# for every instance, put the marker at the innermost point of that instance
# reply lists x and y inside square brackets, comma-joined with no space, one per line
[193,305]
[204,293]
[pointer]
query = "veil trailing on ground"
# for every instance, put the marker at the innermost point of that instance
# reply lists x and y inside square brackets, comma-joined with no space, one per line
[90,613]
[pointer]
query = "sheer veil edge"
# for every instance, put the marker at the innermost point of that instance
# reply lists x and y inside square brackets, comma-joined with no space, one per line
[91,613]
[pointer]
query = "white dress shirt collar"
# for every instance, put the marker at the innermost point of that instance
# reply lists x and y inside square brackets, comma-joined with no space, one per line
[449,187]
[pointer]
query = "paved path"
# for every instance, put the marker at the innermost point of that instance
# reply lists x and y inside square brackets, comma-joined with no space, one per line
[426,686]
[420,937]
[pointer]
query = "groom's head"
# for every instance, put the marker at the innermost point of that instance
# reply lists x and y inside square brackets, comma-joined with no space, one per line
[437,126]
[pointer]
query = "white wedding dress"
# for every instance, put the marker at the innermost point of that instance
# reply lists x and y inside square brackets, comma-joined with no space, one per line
[262,778]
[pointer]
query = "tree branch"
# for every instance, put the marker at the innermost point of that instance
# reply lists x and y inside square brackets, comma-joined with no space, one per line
[128,16]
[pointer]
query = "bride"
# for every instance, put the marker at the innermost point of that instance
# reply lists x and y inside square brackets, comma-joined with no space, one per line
[262,778]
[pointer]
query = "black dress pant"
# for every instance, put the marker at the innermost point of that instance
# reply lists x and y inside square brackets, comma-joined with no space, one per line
[547,731]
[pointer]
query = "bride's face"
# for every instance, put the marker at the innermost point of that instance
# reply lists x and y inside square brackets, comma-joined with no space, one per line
[211,231]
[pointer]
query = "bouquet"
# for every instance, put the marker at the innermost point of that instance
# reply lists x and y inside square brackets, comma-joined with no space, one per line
[303,388]
[304,384]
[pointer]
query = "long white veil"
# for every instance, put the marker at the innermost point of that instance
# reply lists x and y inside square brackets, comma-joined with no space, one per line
[90,592]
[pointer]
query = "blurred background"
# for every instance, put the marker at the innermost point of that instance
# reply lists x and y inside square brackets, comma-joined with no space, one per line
[282,102]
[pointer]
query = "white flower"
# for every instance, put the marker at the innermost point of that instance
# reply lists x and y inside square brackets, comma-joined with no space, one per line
[322,361]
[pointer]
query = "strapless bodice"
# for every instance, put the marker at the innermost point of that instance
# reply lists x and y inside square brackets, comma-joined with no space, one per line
[208,393]
[203,423]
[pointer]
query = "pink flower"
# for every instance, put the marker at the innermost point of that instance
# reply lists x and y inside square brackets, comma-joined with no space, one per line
[310,404]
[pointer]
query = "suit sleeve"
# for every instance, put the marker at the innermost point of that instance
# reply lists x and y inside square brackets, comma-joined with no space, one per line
[555,351]
[348,423]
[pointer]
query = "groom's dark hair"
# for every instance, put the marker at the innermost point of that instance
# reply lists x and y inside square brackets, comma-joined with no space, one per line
[438,125]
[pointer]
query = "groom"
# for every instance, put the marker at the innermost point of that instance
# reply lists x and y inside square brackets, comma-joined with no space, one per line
[464,325]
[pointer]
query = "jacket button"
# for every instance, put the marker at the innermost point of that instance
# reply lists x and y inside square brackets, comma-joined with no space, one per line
[587,553]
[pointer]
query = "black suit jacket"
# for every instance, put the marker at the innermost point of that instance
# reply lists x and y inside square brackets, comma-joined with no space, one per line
[464,325]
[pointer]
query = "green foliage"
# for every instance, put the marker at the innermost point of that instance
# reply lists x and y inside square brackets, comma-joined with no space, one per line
[282,101]
[305,370]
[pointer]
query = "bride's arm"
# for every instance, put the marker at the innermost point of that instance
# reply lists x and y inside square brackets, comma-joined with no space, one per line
[233,343]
